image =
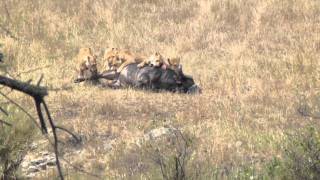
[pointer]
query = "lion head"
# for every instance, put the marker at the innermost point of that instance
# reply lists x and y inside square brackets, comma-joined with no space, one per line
[156,60]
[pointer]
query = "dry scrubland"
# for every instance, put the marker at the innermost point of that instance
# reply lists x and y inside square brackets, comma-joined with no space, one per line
[257,62]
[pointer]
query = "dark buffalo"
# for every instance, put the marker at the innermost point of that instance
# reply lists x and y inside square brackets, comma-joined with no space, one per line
[153,78]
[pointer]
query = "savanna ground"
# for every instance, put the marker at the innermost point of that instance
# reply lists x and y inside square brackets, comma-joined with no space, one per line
[257,61]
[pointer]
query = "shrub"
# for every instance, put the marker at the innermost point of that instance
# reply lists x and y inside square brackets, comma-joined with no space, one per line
[302,155]
[15,140]
[166,157]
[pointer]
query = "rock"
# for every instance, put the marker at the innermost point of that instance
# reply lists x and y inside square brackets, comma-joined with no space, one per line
[31,167]
[43,166]
[156,133]
[107,147]
[51,163]
[37,162]
[238,144]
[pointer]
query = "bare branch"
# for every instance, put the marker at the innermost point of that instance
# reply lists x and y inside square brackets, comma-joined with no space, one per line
[34,91]
[22,109]
[69,132]
[29,81]
[41,119]
[38,93]
[4,111]
[5,123]
[40,79]
[55,139]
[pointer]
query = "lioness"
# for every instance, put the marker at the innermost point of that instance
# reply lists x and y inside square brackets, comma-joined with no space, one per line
[173,63]
[86,59]
[111,59]
[116,59]
[155,59]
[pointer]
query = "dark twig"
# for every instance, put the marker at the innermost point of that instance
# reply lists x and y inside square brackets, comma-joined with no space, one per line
[40,79]
[22,109]
[38,94]
[5,123]
[69,132]
[29,81]
[55,138]
[4,111]
[34,91]
[35,122]
[39,112]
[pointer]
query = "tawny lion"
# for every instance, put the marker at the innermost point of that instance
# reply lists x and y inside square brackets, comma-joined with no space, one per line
[116,59]
[173,63]
[86,59]
[157,60]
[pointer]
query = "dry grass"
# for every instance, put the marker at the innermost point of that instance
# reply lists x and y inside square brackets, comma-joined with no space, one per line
[257,62]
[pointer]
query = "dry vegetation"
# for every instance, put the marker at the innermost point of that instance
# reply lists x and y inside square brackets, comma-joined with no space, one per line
[257,61]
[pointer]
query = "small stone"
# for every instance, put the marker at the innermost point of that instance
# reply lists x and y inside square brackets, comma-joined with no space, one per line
[155,133]
[107,147]
[37,162]
[238,144]
[43,166]
[44,153]
[51,162]
[33,169]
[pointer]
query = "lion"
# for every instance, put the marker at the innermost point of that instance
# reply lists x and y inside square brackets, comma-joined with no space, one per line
[86,60]
[173,63]
[111,59]
[155,60]
[116,59]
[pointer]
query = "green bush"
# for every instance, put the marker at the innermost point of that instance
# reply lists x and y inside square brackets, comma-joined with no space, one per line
[14,141]
[166,157]
[301,157]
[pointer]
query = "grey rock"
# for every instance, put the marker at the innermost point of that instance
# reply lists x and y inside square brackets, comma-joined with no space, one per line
[32,169]
[107,147]
[155,133]
[37,162]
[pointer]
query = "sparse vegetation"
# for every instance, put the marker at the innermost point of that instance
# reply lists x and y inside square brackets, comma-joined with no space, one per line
[15,141]
[256,61]
[301,155]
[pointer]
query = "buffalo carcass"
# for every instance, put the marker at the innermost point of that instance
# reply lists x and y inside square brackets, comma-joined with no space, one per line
[153,78]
